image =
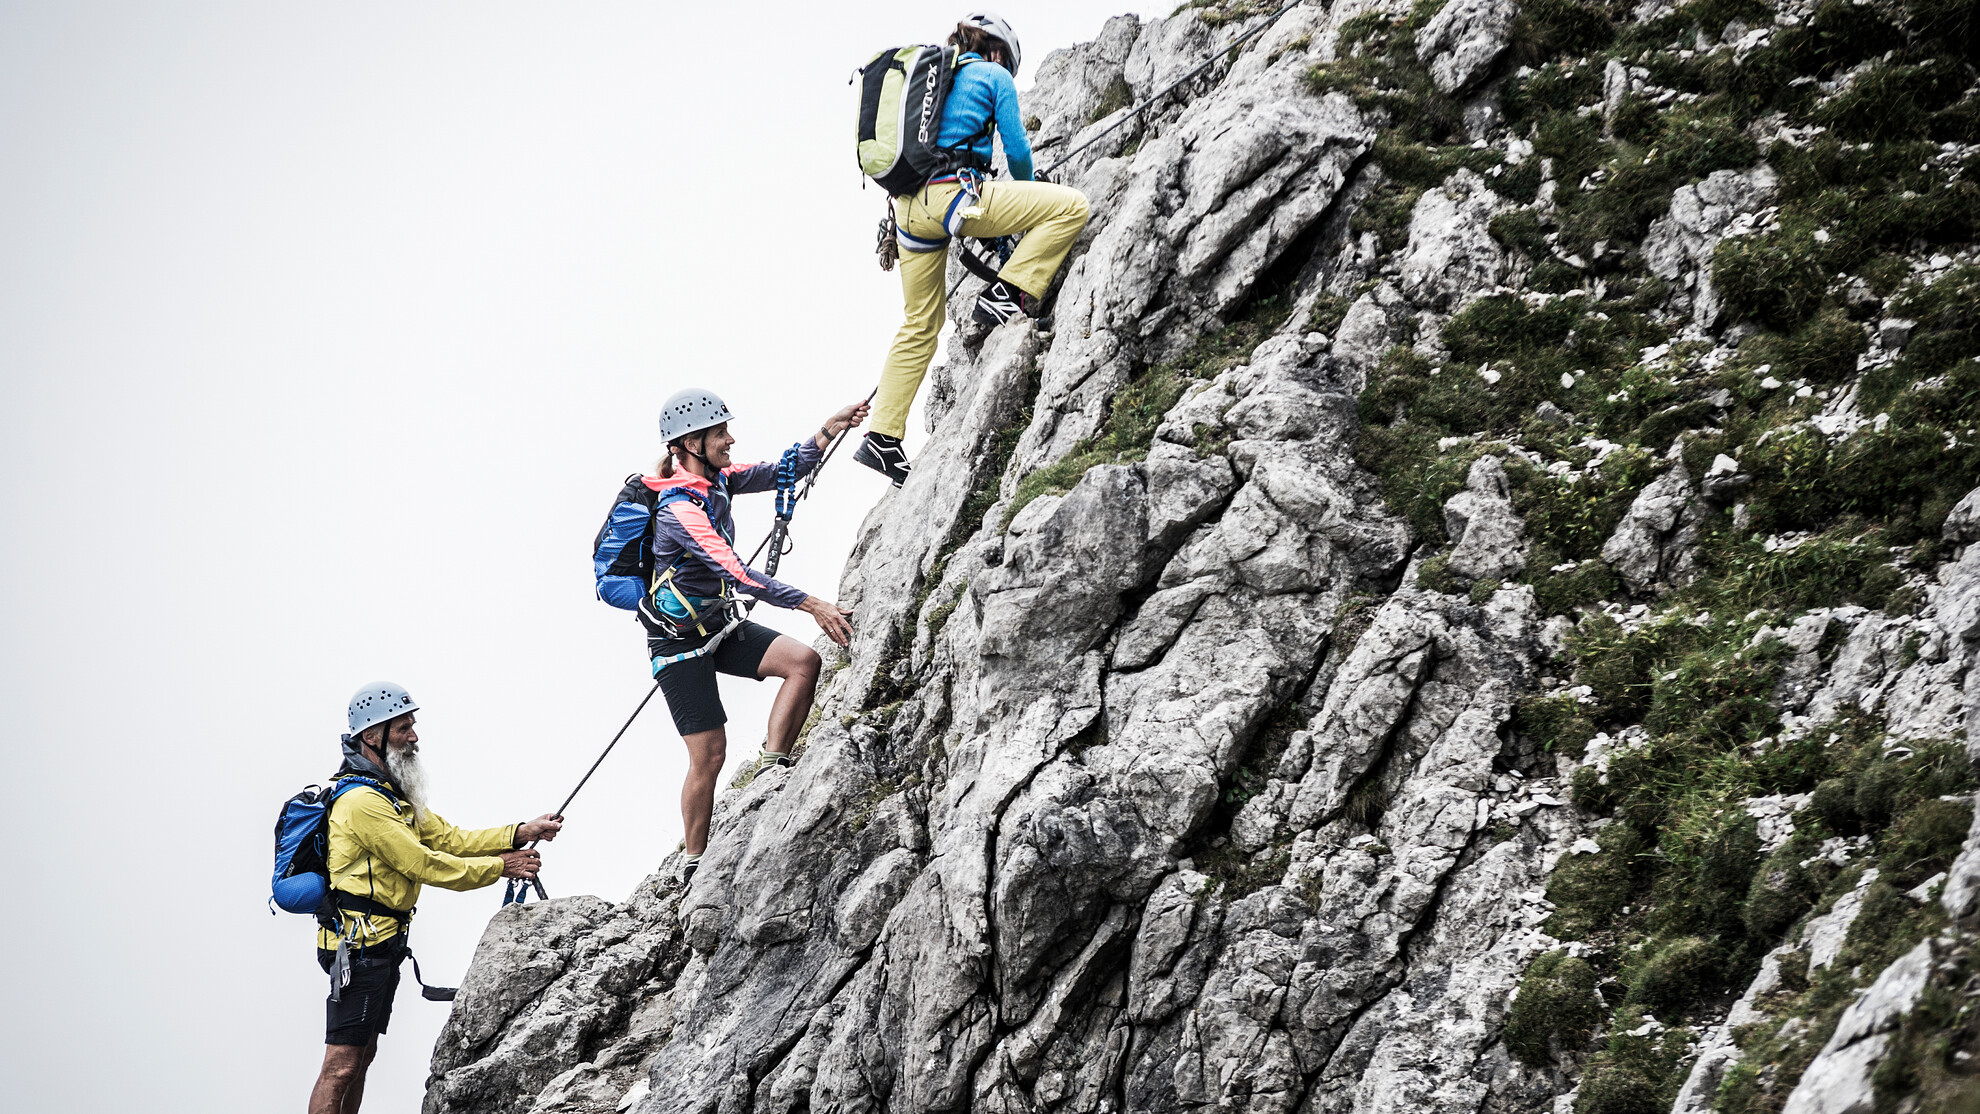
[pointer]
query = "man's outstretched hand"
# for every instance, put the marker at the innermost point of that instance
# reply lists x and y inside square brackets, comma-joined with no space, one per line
[545,826]
[521,864]
[832,619]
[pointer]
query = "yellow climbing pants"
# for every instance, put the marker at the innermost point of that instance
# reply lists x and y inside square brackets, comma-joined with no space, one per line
[1049,215]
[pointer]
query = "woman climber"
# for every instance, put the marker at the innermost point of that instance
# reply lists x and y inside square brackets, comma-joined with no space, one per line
[691,609]
[961,201]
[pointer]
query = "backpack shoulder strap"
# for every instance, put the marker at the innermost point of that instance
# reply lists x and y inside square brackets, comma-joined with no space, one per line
[677,495]
[349,782]
[674,495]
[636,491]
[956,62]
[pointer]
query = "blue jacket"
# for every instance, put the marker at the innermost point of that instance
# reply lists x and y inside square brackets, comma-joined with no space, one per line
[983,92]
[703,541]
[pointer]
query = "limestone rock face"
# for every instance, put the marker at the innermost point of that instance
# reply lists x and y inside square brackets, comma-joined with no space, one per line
[1655,544]
[1483,526]
[1463,39]
[1157,779]
[1838,1082]
[1451,252]
[1680,243]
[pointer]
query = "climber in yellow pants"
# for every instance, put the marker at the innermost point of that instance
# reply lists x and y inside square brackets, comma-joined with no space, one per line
[982,100]
[1050,216]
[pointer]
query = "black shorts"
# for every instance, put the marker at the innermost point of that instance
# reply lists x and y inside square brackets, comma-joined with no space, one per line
[690,685]
[367,999]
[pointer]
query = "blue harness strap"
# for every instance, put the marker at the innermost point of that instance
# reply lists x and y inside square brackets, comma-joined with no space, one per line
[912,243]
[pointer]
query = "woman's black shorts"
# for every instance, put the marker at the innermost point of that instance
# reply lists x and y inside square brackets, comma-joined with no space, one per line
[690,685]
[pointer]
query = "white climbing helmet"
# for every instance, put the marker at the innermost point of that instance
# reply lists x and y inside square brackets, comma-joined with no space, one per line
[691,411]
[994,24]
[377,702]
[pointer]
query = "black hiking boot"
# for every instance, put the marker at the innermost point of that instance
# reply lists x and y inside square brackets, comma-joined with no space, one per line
[884,455]
[1000,302]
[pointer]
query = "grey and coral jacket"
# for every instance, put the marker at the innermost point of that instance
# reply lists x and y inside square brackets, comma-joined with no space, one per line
[684,522]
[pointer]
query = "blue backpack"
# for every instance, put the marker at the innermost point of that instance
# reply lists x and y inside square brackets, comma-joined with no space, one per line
[302,835]
[622,559]
[622,554]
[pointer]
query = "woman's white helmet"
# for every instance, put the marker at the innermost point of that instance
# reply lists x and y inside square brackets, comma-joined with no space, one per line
[994,24]
[691,411]
[376,703]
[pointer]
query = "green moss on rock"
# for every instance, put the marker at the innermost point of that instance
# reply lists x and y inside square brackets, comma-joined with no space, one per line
[1590,891]
[1676,975]
[1556,1007]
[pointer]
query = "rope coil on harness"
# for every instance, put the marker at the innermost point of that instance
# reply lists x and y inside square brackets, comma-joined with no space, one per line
[789,493]
[787,481]
[888,243]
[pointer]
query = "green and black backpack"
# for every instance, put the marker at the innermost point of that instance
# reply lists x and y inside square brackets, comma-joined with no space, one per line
[901,96]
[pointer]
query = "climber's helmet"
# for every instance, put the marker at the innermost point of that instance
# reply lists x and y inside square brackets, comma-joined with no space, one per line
[691,411]
[994,25]
[376,703]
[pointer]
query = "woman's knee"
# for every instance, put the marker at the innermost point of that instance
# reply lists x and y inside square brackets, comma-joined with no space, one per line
[790,660]
[807,665]
[707,750]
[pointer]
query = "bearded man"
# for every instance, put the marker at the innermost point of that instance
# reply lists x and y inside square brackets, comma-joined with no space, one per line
[385,843]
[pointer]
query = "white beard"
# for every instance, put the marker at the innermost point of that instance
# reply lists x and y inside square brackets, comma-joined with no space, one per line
[409,777]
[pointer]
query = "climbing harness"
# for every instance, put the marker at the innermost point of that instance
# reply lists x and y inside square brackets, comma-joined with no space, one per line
[789,493]
[966,205]
[728,606]
[340,967]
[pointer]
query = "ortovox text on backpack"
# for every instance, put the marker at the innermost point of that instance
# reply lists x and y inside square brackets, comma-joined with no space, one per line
[901,96]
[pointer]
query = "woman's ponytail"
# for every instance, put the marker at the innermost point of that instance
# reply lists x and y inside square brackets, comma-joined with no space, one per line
[975,40]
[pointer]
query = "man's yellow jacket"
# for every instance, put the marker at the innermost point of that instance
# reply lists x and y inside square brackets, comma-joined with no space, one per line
[378,849]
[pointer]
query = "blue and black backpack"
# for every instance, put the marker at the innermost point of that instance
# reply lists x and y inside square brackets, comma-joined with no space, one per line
[302,837]
[622,554]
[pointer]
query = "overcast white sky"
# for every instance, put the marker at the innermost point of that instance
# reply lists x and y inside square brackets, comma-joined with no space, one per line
[327,333]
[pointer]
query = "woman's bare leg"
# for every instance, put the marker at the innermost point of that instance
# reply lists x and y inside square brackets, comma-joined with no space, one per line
[706,752]
[798,665]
